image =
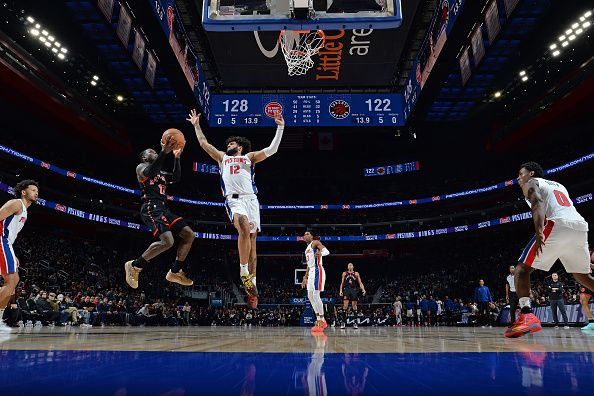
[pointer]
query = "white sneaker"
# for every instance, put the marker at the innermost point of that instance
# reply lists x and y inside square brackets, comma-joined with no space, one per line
[4,328]
[566,327]
[556,327]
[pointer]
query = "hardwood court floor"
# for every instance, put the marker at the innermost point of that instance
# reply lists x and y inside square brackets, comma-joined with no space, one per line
[295,339]
[291,361]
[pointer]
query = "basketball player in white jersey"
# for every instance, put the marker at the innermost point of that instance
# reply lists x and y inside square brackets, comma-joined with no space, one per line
[13,215]
[236,166]
[561,233]
[315,278]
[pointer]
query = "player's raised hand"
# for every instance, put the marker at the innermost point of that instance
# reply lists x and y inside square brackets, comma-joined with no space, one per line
[168,146]
[278,118]
[194,117]
[177,153]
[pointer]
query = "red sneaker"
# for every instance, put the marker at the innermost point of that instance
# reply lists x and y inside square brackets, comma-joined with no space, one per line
[324,324]
[252,302]
[526,323]
[318,327]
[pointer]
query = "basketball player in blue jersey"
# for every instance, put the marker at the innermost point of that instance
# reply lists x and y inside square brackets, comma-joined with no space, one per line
[13,215]
[236,167]
[560,233]
[351,280]
[157,216]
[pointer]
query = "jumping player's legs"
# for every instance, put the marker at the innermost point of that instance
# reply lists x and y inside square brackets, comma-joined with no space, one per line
[11,281]
[242,225]
[186,236]
[253,257]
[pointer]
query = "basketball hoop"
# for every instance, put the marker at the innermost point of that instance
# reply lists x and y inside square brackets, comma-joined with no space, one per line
[298,47]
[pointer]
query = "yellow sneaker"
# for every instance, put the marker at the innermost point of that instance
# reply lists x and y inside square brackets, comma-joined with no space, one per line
[132,274]
[249,286]
[179,277]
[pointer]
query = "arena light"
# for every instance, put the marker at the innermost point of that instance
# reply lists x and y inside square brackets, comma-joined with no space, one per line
[587,14]
[522,72]
[562,37]
[120,98]
[57,44]
[93,83]
[63,50]
[575,25]
[96,77]
[568,31]
[34,32]
[497,94]
[572,37]
[586,24]
[42,39]
[44,32]
[48,44]
[525,78]
[61,56]
[552,46]
[565,43]
[579,31]
[55,50]
[30,19]
[556,53]
[51,38]
[37,26]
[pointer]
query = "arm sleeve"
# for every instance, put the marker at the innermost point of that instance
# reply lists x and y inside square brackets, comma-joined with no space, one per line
[176,175]
[153,169]
[273,148]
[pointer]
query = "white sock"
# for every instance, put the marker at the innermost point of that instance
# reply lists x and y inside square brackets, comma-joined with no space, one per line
[254,280]
[524,302]
[243,270]
[1,314]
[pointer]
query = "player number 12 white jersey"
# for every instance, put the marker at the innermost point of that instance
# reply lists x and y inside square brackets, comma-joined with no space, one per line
[237,175]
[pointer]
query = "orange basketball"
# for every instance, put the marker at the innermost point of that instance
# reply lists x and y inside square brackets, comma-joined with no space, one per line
[176,136]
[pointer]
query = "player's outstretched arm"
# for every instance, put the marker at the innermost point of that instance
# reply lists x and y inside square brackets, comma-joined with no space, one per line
[215,154]
[257,156]
[176,175]
[9,208]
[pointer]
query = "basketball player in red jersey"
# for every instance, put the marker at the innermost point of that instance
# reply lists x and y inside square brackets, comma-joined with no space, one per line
[155,214]
[560,233]
[236,167]
[13,215]
[351,281]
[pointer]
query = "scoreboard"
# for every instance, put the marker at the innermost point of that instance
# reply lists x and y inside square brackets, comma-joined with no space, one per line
[258,110]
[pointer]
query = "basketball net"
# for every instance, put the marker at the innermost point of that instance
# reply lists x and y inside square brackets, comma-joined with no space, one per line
[298,47]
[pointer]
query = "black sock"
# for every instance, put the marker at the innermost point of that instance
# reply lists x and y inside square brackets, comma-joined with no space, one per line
[139,262]
[177,266]
[526,310]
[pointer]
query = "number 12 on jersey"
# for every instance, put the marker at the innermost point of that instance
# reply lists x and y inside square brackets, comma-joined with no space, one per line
[234,169]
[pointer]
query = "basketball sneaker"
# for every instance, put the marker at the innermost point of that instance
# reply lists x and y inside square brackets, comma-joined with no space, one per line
[4,328]
[252,302]
[317,327]
[132,274]
[526,323]
[179,277]
[324,324]
[342,325]
[355,325]
[589,326]
[250,287]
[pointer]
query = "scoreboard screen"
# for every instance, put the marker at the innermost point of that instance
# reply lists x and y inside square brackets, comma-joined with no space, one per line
[258,110]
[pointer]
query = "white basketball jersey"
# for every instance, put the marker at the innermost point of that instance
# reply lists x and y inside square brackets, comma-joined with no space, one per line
[13,224]
[558,206]
[310,257]
[237,175]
